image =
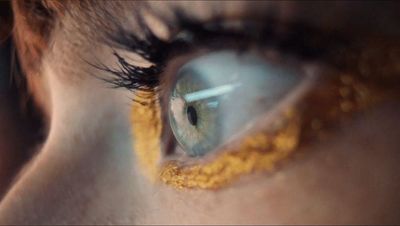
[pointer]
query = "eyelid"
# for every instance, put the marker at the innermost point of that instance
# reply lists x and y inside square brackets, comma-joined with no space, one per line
[299,40]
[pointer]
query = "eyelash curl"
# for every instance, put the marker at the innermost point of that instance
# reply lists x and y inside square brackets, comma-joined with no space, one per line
[303,42]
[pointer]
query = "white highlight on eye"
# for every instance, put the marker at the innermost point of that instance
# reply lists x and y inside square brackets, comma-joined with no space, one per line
[213,104]
[177,104]
[212,92]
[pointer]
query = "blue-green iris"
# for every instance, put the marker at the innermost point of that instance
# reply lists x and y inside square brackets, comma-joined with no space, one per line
[218,94]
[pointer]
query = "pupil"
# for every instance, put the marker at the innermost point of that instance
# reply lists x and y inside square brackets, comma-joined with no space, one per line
[192,115]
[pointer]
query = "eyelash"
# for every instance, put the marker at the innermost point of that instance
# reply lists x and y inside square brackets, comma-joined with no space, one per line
[303,42]
[133,77]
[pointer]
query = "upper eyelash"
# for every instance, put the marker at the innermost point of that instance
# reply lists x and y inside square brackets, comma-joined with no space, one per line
[305,42]
[134,77]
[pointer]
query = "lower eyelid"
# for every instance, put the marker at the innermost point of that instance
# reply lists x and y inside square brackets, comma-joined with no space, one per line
[256,152]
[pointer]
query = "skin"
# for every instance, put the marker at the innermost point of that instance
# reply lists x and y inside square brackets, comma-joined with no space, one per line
[85,172]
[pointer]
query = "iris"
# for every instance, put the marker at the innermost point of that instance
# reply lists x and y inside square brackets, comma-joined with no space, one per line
[217,95]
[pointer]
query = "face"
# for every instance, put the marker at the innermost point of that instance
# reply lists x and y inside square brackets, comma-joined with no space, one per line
[214,112]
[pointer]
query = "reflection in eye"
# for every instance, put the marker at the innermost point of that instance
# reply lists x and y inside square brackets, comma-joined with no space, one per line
[219,94]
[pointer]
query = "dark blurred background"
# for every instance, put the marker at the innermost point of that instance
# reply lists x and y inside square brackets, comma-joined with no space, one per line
[18,125]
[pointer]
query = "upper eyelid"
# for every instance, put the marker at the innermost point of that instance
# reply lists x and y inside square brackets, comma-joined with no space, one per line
[300,40]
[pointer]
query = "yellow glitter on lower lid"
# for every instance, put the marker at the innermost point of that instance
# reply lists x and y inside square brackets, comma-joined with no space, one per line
[257,152]
[261,151]
[146,129]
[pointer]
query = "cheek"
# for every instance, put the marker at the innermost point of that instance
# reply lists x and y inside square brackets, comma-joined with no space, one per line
[351,178]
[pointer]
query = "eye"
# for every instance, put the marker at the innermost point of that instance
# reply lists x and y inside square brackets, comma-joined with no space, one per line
[218,95]
[219,102]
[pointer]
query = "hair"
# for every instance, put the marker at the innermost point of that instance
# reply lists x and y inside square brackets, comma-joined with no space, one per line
[26,26]
[34,21]
[5,21]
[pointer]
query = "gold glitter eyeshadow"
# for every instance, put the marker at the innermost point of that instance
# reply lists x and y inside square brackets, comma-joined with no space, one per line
[257,152]
[260,151]
[146,129]
[329,105]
